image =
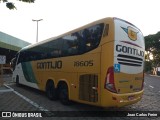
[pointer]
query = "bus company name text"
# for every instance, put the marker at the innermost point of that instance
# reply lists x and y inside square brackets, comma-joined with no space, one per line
[49,65]
[129,50]
[83,63]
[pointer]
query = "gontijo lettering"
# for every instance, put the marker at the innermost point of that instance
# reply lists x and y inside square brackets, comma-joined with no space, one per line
[133,51]
[49,65]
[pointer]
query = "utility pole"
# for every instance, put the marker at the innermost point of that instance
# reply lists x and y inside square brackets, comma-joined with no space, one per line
[37,27]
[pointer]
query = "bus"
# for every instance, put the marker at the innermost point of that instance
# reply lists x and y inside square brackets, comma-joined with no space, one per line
[98,64]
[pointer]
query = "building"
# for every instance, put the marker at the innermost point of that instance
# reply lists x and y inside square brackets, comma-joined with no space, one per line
[10,45]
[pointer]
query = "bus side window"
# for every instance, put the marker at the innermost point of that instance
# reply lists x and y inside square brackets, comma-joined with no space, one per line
[69,45]
[51,49]
[21,57]
[106,30]
[55,47]
[82,41]
[90,38]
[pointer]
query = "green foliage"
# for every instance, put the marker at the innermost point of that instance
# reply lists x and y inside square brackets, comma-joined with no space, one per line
[148,66]
[152,44]
[11,5]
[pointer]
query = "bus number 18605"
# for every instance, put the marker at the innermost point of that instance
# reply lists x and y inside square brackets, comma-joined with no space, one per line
[83,63]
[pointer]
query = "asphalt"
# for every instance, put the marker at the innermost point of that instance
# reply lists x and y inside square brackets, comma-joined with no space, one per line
[9,101]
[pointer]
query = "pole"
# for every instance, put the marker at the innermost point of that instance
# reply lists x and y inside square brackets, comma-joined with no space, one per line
[37,28]
[37,32]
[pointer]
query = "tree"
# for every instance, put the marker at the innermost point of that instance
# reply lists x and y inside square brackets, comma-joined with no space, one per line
[148,66]
[11,5]
[152,46]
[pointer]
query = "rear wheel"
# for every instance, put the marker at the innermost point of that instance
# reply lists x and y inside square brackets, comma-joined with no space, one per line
[63,94]
[51,91]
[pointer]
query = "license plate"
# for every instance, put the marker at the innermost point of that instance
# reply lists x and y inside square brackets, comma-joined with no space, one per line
[130,98]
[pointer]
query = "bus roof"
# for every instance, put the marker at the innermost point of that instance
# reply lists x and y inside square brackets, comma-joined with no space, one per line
[126,22]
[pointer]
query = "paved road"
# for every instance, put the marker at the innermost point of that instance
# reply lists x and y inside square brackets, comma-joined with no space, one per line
[28,99]
[153,82]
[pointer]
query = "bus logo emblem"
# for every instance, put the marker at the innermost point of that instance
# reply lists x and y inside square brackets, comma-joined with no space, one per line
[132,33]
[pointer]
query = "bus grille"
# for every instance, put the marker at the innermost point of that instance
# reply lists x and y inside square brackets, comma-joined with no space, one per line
[88,85]
[129,60]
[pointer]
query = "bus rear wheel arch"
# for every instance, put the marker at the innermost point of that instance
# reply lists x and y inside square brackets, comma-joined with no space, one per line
[63,93]
[51,91]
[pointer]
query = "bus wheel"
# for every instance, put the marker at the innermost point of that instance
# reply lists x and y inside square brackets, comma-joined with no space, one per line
[51,91]
[63,94]
[17,81]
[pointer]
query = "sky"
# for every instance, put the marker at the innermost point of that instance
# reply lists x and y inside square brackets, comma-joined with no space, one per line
[60,16]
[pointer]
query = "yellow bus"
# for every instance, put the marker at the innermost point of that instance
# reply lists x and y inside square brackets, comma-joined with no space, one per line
[99,64]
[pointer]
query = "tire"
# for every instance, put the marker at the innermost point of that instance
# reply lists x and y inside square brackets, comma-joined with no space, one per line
[51,91]
[63,94]
[17,81]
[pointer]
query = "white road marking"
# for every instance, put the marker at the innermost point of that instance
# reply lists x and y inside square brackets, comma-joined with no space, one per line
[27,99]
[151,86]
[8,90]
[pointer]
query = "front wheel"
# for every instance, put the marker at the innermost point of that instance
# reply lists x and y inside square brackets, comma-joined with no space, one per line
[63,94]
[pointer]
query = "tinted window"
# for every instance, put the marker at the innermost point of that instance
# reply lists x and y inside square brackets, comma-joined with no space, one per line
[82,41]
[51,49]
[73,44]
[70,45]
[48,50]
